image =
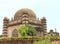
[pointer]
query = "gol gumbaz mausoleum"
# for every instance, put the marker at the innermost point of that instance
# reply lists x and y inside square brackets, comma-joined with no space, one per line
[23,16]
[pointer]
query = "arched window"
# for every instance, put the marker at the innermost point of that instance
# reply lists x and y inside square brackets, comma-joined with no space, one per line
[15,33]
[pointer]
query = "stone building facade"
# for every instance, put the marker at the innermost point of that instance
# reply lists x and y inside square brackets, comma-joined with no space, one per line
[23,16]
[54,33]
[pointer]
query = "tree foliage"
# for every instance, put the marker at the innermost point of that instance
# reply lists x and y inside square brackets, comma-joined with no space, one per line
[52,36]
[27,30]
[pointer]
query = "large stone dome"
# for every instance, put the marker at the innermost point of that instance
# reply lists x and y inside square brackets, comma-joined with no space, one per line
[29,12]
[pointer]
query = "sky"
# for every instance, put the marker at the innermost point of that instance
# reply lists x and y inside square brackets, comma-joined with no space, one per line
[48,8]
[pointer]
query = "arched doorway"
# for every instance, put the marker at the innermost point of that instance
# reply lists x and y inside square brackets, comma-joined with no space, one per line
[15,33]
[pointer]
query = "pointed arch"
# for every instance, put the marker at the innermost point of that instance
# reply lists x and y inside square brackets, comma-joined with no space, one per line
[15,33]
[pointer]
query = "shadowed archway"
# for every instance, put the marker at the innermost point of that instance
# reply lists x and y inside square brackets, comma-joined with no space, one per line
[15,33]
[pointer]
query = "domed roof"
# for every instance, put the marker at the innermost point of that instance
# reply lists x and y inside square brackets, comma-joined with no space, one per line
[29,12]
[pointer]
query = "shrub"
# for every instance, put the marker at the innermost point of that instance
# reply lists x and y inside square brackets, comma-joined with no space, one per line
[27,30]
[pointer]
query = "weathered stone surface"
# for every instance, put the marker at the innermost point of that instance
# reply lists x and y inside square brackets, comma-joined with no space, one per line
[16,42]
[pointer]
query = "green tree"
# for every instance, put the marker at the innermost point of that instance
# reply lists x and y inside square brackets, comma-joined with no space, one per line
[31,30]
[52,36]
[27,30]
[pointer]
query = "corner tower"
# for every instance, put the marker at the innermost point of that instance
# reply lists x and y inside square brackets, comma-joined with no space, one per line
[5,26]
[43,21]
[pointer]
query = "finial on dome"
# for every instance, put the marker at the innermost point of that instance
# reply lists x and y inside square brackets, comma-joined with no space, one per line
[11,19]
[5,17]
[44,17]
[38,18]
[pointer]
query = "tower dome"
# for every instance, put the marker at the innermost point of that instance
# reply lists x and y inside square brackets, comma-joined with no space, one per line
[27,11]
